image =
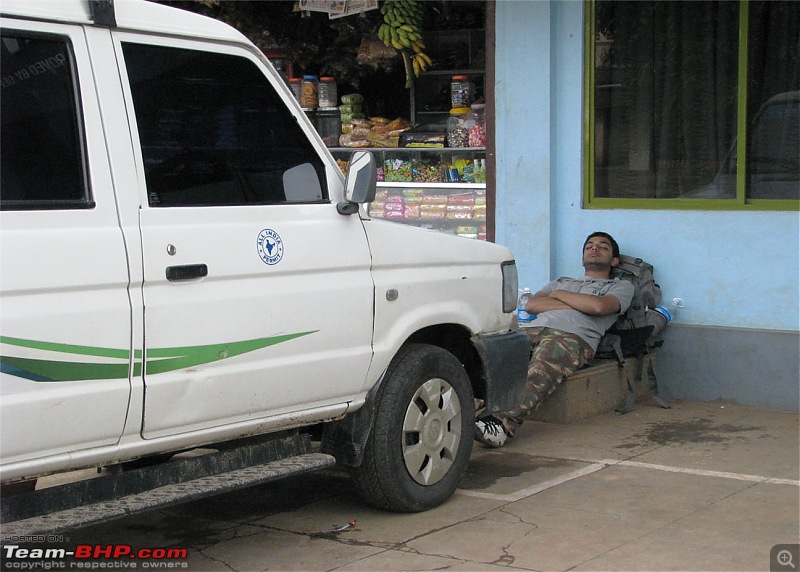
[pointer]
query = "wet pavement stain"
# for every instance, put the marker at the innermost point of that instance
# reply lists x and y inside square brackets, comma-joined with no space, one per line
[700,430]
[487,470]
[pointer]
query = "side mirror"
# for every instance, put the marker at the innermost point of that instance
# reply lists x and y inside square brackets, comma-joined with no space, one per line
[361,182]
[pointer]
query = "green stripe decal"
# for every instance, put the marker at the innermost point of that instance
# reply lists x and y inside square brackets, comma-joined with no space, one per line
[115,363]
[66,348]
[46,370]
[170,359]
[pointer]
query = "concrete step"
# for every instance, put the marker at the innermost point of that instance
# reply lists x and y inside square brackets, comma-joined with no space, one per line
[601,387]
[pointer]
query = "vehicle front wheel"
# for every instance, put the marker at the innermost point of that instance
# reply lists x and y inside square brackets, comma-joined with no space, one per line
[421,441]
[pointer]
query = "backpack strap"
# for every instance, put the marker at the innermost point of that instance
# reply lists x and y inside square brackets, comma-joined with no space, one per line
[652,382]
[611,343]
[651,376]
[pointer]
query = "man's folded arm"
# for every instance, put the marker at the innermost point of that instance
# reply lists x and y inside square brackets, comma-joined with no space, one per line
[588,303]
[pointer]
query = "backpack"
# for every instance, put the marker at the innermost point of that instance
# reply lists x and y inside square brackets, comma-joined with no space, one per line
[638,327]
[635,331]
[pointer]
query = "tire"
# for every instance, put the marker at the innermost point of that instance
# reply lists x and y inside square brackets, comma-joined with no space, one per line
[421,441]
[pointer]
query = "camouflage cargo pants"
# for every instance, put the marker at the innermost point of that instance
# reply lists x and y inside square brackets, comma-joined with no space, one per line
[556,355]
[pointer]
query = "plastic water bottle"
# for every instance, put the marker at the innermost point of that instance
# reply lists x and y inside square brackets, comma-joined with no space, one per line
[668,314]
[524,319]
[677,304]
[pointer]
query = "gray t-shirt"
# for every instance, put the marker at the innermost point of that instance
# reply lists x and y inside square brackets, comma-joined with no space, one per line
[590,328]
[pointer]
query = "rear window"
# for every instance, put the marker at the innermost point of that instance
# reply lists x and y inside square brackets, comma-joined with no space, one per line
[41,140]
[214,132]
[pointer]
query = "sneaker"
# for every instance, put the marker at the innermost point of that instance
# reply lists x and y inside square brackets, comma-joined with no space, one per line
[490,431]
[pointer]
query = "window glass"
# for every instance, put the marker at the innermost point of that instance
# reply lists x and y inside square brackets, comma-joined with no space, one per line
[41,146]
[214,132]
[666,107]
[773,101]
[665,95]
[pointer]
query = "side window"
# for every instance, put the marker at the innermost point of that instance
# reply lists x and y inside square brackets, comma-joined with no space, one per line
[42,159]
[214,132]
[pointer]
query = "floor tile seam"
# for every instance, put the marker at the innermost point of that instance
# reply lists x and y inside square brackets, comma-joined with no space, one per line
[598,465]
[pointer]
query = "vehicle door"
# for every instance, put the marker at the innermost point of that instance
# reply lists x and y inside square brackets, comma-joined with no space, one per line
[258,295]
[65,315]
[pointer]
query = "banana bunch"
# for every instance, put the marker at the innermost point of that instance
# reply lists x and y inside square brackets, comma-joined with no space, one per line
[401,29]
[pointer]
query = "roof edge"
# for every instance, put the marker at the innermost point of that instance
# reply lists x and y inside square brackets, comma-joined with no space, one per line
[134,15]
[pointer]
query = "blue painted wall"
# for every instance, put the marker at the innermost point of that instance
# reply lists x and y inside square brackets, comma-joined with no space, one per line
[738,273]
[736,269]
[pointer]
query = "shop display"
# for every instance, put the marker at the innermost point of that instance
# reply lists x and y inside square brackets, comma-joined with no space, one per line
[327,92]
[457,131]
[311,113]
[442,189]
[431,139]
[457,78]
[373,132]
[309,92]
[479,171]
[431,167]
[461,91]
[351,108]
[329,125]
[476,125]
[295,86]
[429,205]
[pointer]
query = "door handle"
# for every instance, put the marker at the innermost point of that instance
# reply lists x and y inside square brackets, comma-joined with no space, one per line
[186,272]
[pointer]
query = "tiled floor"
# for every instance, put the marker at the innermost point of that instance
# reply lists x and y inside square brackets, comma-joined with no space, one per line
[697,487]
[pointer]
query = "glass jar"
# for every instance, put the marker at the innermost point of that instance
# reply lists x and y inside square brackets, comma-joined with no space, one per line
[457,132]
[309,92]
[460,91]
[476,125]
[327,92]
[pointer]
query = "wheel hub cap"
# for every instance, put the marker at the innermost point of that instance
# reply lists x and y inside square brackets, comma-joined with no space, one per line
[431,431]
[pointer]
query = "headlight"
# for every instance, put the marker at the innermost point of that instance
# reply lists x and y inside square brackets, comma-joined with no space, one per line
[510,284]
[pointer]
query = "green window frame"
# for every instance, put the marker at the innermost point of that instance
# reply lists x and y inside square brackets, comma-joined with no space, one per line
[593,194]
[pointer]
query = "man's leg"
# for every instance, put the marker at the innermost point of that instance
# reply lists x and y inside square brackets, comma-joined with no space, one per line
[556,355]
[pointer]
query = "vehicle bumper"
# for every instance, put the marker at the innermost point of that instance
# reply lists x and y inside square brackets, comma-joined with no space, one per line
[505,360]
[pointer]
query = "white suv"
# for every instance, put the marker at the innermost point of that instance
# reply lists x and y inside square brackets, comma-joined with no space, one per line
[184,265]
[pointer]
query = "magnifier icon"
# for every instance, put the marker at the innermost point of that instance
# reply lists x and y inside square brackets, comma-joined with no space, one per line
[784,558]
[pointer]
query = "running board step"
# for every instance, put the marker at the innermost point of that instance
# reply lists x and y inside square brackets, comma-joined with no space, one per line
[167,495]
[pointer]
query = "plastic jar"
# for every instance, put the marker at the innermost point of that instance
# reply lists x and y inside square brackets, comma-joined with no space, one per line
[329,125]
[309,92]
[457,132]
[476,125]
[294,85]
[460,91]
[327,92]
[311,113]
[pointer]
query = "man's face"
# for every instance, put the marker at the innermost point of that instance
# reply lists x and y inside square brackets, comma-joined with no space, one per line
[598,253]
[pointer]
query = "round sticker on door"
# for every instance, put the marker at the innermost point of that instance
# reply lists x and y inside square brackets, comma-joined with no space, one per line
[270,246]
